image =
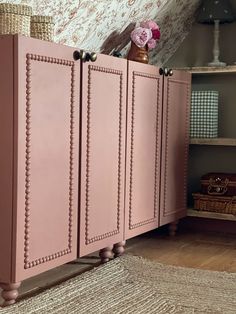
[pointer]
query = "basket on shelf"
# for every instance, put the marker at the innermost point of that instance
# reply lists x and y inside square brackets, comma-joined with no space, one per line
[217,204]
[219,184]
[15,19]
[42,27]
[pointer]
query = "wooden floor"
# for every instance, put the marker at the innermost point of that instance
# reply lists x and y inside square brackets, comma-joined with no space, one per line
[211,251]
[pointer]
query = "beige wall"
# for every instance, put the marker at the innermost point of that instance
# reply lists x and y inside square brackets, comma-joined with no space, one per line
[196,49]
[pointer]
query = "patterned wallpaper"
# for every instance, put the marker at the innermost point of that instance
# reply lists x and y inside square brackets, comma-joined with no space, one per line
[105,25]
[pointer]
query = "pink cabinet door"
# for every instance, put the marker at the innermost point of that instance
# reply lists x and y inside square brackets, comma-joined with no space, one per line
[143,148]
[102,153]
[46,126]
[176,103]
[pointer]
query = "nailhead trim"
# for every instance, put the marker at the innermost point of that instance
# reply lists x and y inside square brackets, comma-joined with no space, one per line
[89,240]
[147,221]
[29,58]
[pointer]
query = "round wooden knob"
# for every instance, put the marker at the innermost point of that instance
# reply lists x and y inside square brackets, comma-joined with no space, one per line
[79,55]
[166,71]
[90,57]
[87,57]
[161,71]
[93,56]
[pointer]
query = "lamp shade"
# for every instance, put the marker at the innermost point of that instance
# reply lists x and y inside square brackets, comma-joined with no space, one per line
[212,10]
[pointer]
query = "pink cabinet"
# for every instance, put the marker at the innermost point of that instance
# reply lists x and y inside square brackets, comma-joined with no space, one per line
[102,153]
[157,147]
[144,133]
[39,138]
[175,142]
[91,154]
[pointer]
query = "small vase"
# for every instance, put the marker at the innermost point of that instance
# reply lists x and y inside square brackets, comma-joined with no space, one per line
[139,54]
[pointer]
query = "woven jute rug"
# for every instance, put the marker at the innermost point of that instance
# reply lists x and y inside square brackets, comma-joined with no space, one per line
[131,284]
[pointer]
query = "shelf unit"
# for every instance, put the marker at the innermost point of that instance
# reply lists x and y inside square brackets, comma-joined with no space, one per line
[211,215]
[213,154]
[219,141]
[209,70]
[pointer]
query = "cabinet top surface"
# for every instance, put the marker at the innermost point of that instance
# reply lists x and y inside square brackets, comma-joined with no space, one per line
[209,70]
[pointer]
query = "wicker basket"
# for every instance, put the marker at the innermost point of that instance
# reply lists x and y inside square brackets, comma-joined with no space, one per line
[15,19]
[42,27]
[217,204]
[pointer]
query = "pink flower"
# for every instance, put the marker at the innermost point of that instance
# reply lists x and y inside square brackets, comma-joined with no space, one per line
[151,43]
[140,36]
[147,34]
[149,24]
[156,34]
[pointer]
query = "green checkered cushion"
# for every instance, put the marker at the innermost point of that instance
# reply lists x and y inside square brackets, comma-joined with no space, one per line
[204,114]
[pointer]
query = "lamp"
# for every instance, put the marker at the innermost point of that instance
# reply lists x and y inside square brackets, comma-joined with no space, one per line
[216,12]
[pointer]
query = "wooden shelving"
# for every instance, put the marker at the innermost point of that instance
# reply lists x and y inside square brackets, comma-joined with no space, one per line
[211,215]
[209,70]
[221,149]
[220,141]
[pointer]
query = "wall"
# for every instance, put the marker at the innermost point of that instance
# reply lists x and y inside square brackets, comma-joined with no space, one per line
[105,25]
[196,49]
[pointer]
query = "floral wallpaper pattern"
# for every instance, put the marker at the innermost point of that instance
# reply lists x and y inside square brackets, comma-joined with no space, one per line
[105,25]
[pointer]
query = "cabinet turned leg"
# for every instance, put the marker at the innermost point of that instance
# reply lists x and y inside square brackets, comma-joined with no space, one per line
[10,292]
[119,248]
[173,228]
[106,254]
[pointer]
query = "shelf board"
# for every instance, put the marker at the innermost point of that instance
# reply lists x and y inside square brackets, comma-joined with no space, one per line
[209,70]
[211,215]
[222,141]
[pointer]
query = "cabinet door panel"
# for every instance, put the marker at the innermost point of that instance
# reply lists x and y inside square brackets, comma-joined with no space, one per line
[176,105]
[47,84]
[103,153]
[143,148]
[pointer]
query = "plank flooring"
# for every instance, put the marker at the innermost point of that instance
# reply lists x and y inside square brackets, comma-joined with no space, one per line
[212,251]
